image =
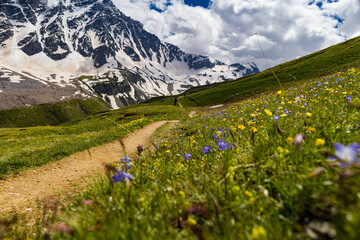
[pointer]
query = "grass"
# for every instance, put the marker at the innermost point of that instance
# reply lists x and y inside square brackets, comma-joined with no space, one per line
[50,113]
[321,63]
[21,148]
[267,175]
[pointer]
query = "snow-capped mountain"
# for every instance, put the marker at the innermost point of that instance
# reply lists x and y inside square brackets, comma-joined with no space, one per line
[56,40]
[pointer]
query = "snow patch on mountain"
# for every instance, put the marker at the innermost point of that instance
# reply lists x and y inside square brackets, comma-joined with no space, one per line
[60,40]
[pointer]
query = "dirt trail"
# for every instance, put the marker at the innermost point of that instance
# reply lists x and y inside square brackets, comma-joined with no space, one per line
[21,192]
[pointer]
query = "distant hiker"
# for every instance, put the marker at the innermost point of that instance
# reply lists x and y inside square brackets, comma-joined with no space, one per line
[175,100]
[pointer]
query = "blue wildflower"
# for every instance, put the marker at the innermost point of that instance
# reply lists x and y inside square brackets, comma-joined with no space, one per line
[125,159]
[286,111]
[276,118]
[305,104]
[127,166]
[348,98]
[206,149]
[222,144]
[121,176]
[215,136]
[346,155]
[187,156]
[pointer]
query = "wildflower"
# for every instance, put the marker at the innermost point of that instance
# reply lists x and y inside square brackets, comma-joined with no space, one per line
[348,98]
[258,232]
[191,221]
[62,227]
[290,139]
[305,104]
[308,114]
[278,93]
[222,144]
[298,139]
[156,147]
[286,111]
[242,127]
[206,149]
[253,129]
[127,166]
[121,176]
[187,156]
[215,136]
[125,159]
[347,155]
[311,129]
[276,118]
[182,194]
[88,202]
[268,112]
[319,142]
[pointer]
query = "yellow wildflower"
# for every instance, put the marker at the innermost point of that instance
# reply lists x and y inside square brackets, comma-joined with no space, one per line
[191,221]
[182,194]
[258,232]
[308,114]
[249,194]
[242,127]
[268,112]
[320,142]
[311,129]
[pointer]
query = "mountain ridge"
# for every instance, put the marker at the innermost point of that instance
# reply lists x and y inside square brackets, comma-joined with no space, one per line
[96,38]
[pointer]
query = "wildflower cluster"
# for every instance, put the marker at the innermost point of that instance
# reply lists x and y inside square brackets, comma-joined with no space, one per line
[121,175]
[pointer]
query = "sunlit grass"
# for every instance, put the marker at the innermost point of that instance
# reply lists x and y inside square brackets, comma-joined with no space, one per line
[21,148]
[267,176]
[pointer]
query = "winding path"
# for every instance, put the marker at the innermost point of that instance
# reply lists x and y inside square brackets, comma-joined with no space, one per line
[21,191]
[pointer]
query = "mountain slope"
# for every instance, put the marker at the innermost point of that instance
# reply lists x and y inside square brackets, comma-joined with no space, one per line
[321,63]
[94,37]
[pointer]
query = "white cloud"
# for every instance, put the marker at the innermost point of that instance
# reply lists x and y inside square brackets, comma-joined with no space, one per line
[287,29]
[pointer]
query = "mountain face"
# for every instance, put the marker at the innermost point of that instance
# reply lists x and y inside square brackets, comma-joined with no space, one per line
[93,37]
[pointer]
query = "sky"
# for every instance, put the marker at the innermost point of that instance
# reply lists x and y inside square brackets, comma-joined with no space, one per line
[224,29]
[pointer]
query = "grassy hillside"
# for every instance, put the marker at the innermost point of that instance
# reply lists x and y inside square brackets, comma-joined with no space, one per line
[21,148]
[281,166]
[318,64]
[50,114]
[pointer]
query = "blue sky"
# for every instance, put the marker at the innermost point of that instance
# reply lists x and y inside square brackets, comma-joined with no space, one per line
[224,29]
[200,3]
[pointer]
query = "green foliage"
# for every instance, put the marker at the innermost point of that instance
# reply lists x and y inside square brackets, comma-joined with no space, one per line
[270,182]
[21,148]
[334,58]
[50,113]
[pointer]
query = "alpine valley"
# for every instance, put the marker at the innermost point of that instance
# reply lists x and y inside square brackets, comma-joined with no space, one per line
[54,50]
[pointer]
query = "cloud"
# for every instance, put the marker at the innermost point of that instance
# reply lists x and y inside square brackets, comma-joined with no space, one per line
[225,30]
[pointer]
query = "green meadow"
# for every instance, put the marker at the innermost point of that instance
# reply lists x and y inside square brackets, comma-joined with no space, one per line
[21,148]
[278,163]
[282,166]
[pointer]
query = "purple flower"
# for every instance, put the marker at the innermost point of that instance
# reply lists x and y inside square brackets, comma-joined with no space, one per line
[305,104]
[125,159]
[346,155]
[127,166]
[276,118]
[121,176]
[298,139]
[222,144]
[157,148]
[215,136]
[206,149]
[348,98]
[187,156]
[286,111]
